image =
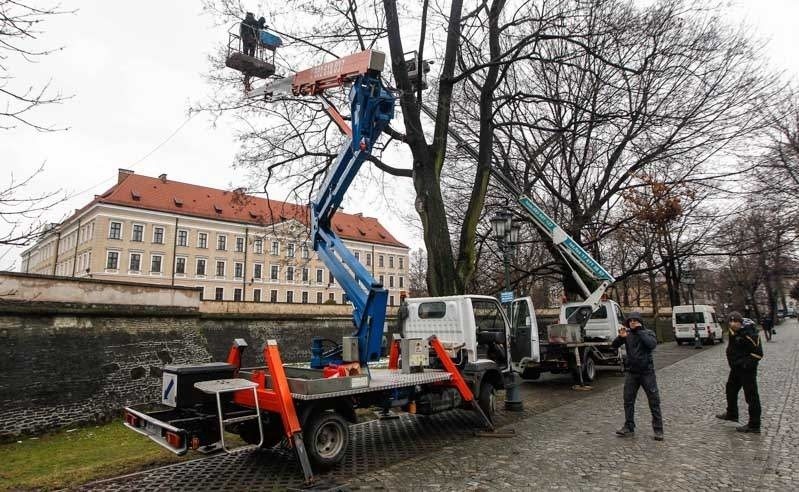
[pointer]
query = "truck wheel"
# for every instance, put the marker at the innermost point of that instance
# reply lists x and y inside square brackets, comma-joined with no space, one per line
[679,342]
[531,374]
[589,370]
[488,400]
[326,436]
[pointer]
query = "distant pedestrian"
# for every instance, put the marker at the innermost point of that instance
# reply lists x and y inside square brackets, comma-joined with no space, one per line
[744,352]
[639,367]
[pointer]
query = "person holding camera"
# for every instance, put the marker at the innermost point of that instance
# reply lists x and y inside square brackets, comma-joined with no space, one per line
[639,368]
[744,352]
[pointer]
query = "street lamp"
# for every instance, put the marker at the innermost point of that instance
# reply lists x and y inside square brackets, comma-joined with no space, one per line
[689,280]
[506,233]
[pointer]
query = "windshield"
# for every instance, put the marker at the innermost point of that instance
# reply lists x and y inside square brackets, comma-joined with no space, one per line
[600,313]
[689,318]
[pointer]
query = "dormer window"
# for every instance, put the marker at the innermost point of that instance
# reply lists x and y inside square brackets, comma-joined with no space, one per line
[178,202]
[339,229]
[135,195]
[217,208]
[361,231]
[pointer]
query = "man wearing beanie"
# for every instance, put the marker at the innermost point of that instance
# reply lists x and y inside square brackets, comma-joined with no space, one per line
[744,352]
[639,372]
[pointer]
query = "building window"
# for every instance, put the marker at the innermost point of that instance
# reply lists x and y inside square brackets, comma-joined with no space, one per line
[391,262]
[219,294]
[358,255]
[258,246]
[391,281]
[202,240]
[401,282]
[180,266]
[382,279]
[138,233]
[344,298]
[275,248]
[319,298]
[368,259]
[256,295]
[305,253]
[135,262]
[380,261]
[390,300]
[256,271]
[289,296]
[115,230]
[330,279]
[202,291]
[273,272]
[220,268]
[239,244]
[237,295]
[401,261]
[183,238]
[290,250]
[290,274]
[304,274]
[112,261]
[155,263]
[200,267]
[305,297]
[319,274]
[221,242]
[331,297]
[158,235]
[272,296]
[238,270]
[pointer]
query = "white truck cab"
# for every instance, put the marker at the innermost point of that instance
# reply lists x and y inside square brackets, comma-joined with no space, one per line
[602,326]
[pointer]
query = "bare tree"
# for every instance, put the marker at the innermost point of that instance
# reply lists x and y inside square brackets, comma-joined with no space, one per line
[20,28]
[417,273]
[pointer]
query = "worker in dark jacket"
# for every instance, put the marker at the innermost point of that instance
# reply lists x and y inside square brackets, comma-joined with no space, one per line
[249,34]
[640,372]
[744,352]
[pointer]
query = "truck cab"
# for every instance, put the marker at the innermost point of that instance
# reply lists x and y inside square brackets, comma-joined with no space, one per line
[602,326]
[476,333]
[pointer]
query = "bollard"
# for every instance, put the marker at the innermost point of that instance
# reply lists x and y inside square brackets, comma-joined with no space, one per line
[697,339]
[513,395]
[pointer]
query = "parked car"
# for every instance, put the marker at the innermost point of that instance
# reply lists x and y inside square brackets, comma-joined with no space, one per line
[790,312]
[684,318]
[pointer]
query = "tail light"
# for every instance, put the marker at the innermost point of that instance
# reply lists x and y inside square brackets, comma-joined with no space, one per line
[132,420]
[174,440]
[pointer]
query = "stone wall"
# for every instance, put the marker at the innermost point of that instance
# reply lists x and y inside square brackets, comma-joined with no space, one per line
[69,364]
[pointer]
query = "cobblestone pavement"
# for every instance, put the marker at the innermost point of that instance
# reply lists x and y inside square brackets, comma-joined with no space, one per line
[426,451]
[573,446]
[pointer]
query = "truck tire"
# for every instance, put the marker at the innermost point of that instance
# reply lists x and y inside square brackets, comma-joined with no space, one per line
[487,400]
[589,370]
[679,342]
[326,435]
[531,374]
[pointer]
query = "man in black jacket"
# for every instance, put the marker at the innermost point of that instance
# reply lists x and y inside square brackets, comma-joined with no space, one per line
[640,372]
[744,352]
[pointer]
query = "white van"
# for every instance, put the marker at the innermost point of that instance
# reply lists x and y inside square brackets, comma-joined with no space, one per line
[684,317]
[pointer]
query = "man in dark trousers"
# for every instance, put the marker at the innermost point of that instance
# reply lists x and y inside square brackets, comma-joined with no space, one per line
[744,352]
[640,372]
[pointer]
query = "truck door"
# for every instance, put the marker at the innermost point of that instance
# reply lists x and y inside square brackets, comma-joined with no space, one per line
[524,331]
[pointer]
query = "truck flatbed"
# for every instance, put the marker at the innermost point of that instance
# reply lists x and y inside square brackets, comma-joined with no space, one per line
[375,380]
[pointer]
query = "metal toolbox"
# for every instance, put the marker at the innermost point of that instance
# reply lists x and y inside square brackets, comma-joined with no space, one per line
[305,381]
[564,333]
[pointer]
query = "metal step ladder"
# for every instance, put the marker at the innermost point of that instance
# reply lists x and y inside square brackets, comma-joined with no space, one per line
[218,387]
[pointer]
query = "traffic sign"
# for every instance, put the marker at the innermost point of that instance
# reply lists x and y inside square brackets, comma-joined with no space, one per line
[506,297]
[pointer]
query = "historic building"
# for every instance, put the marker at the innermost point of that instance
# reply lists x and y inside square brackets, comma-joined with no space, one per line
[234,246]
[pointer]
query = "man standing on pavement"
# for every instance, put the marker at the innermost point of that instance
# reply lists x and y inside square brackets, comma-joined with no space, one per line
[744,352]
[639,372]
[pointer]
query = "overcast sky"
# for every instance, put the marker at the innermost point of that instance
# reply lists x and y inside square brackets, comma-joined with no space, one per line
[134,68]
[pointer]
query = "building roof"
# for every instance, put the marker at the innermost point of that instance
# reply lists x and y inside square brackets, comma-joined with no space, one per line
[163,195]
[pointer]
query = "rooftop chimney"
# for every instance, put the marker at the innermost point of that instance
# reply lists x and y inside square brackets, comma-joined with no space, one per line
[162,178]
[123,173]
